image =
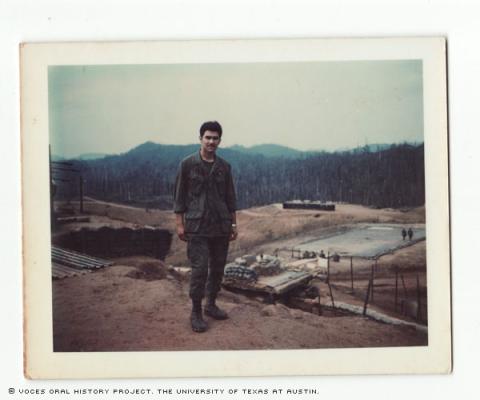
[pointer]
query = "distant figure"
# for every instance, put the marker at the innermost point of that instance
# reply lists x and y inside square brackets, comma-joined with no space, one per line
[404,233]
[322,254]
[410,233]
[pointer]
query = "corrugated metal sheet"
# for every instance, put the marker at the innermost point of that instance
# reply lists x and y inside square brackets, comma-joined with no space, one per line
[67,263]
[61,271]
[77,260]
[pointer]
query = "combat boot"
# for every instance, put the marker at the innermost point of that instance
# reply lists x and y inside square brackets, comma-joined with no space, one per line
[213,311]
[196,318]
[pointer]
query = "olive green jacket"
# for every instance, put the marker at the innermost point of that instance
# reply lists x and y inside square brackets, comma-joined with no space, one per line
[191,186]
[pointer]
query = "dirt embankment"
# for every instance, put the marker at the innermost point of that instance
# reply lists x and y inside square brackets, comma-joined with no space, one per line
[261,229]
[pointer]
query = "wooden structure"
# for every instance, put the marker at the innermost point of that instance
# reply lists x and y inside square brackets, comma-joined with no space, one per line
[275,285]
[308,205]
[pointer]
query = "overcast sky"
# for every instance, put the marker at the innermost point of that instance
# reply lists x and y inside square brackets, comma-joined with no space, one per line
[306,106]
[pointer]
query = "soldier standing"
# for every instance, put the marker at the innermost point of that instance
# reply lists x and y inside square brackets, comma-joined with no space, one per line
[205,204]
[410,233]
[404,233]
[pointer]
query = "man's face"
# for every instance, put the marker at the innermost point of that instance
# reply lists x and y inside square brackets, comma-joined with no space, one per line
[210,141]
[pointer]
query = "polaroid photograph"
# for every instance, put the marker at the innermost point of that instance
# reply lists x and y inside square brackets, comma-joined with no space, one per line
[235,208]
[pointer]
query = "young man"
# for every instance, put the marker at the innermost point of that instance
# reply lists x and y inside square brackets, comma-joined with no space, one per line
[205,204]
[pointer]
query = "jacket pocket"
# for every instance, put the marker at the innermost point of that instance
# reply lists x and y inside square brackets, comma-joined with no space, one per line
[220,183]
[197,182]
[193,220]
[192,225]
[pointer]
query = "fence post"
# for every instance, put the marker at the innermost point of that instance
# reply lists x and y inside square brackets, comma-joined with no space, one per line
[331,296]
[320,312]
[81,193]
[351,271]
[373,278]
[328,266]
[367,297]
[404,287]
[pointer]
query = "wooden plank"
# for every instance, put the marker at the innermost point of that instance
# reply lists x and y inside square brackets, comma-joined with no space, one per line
[291,284]
[282,278]
[278,284]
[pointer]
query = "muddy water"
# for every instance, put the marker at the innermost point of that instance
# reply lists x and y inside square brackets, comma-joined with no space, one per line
[366,240]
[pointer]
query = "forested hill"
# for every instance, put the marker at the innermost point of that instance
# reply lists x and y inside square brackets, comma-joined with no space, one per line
[392,176]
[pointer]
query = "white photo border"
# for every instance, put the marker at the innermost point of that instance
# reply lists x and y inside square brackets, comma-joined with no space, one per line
[40,359]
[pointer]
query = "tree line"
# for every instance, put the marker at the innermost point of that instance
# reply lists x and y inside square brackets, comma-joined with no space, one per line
[145,176]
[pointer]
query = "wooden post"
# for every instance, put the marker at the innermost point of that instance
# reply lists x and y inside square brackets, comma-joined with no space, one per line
[351,271]
[404,287]
[81,194]
[320,312]
[83,240]
[331,296]
[367,297]
[373,278]
[396,288]
[271,298]
[328,266]
[376,265]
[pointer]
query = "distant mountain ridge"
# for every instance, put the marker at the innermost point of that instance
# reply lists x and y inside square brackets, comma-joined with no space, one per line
[268,150]
[91,156]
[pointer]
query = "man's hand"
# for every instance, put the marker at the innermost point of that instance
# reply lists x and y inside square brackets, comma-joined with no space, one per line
[180,227]
[181,232]
[233,231]
[233,234]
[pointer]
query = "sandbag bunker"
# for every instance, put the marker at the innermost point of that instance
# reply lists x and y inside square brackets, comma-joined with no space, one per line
[263,274]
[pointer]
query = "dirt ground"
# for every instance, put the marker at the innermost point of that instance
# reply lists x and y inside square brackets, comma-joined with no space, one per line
[142,304]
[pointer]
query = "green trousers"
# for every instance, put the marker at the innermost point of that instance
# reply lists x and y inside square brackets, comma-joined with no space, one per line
[207,256]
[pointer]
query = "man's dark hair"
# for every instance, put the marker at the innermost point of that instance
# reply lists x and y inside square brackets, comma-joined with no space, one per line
[212,126]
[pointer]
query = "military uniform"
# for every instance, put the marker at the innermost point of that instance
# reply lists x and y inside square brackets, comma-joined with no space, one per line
[205,195]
